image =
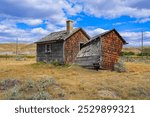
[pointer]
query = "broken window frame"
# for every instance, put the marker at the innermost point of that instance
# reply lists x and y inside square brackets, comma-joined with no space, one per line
[81,45]
[48,48]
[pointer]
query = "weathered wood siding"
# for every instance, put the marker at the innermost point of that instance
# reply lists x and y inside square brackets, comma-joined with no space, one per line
[89,55]
[72,46]
[111,47]
[56,53]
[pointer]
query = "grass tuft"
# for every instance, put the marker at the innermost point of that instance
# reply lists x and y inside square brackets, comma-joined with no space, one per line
[35,90]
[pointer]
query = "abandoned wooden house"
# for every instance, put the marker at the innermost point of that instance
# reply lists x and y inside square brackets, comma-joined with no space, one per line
[62,46]
[102,51]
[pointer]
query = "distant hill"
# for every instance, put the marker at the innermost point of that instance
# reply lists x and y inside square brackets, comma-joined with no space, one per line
[136,50]
[132,49]
[10,48]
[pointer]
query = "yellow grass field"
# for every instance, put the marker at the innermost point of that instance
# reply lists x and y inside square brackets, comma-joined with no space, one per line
[22,48]
[80,83]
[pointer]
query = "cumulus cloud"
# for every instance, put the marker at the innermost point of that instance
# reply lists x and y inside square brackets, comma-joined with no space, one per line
[33,13]
[142,20]
[140,4]
[8,30]
[95,31]
[39,31]
[52,10]
[32,22]
[131,35]
[133,38]
[117,8]
[53,14]
[31,8]
[9,33]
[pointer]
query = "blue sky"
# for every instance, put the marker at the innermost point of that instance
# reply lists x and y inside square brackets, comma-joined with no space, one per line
[30,20]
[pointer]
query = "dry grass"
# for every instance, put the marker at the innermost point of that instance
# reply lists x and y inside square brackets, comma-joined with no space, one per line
[80,83]
[22,48]
[132,49]
[136,50]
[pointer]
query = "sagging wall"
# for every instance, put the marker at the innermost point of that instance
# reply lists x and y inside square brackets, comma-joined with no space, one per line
[89,55]
[72,46]
[56,53]
[111,47]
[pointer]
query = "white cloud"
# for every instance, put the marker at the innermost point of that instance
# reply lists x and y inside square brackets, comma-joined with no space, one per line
[32,22]
[39,31]
[142,20]
[9,33]
[119,23]
[116,8]
[8,30]
[131,35]
[73,9]
[147,33]
[53,28]
[3,27]
[95,31]
[34,10]
[133,38]
[49,13]
[53,14]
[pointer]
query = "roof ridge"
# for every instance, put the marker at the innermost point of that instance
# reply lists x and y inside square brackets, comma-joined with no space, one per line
[102,34]
[58,35]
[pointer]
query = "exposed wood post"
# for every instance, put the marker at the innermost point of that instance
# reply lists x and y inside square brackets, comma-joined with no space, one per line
[142,46]
[16,48]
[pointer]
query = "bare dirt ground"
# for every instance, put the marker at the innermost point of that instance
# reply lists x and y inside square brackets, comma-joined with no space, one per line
[80,83]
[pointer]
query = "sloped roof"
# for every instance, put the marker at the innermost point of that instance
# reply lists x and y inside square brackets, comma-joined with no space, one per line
[89,50]
[102,34]
[61,35]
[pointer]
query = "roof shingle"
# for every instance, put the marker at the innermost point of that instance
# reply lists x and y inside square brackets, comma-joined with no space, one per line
[56,36]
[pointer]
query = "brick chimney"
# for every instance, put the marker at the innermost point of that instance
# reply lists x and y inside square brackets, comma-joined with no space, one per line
[69,26]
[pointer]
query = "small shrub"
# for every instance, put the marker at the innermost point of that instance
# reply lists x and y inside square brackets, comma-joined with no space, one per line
[43,89]
[7,56]
[61,94]
[41,96]
[119,66]
[127,53]
[139,92]
[8,83]
[44,83]
[143,54]
[56,63]
[28,86]
[14,94]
